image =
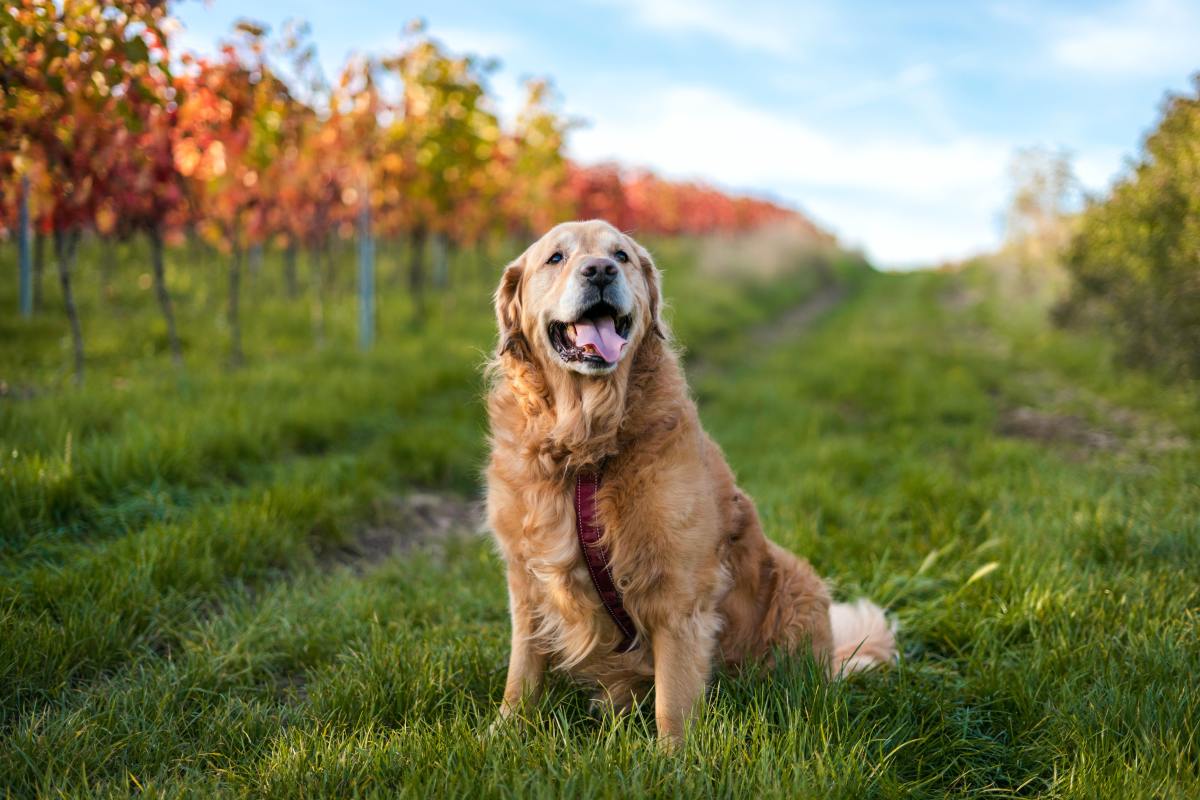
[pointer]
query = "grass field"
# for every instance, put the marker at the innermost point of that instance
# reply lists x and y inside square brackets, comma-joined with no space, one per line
[186,607]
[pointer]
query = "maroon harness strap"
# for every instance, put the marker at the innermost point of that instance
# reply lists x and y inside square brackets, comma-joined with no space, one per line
[595,555]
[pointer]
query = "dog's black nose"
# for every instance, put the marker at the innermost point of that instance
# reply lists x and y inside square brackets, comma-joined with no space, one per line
[599,271]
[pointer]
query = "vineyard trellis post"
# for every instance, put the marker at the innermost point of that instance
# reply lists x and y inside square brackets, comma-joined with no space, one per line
[26,265]
[441,266]
[366,275]
[66,243]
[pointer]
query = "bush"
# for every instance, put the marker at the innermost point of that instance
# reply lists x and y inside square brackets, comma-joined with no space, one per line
[1135,261]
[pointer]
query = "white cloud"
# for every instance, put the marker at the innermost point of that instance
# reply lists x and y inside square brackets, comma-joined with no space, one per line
[777,29]
[1159,38]
[699,130]
[1098,167]
[907,235]
[912,78]
[183,38]
[906,200]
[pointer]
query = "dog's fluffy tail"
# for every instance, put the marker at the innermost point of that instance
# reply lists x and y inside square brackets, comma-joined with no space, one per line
[862,636]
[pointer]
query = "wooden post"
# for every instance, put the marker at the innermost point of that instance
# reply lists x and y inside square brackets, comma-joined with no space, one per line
[164,297]
[233,313]
[65,243]
[26,265]
[290,281]
[366,275]
[441,266]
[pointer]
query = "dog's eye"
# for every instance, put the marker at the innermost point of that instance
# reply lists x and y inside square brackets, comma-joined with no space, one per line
[622,256]
[555,259]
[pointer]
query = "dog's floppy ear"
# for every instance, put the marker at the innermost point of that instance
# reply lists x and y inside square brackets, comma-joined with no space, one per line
[508,306]
[654,282]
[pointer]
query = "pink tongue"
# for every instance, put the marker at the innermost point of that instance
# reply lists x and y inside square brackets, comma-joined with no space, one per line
[602,335]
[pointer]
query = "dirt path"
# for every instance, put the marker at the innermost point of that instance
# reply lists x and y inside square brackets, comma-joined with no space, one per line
[404,521]
[1060,413]
[799,319]
[791,324]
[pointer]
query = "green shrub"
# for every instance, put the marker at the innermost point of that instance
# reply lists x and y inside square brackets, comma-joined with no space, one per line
[1135,261]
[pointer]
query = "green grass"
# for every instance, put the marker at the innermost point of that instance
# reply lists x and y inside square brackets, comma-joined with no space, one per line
[170,623]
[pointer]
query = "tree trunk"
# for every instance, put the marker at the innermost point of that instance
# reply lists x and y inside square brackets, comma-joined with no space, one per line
[481,256]
[289,271]
[39,268]
[472,262]
[392,273]
[441,261]
[233,316]
[448,254]
[416,272]
[317,281]
[64,253]
[164,297]
[24,265]
[254,265]
[108,266]
[329,272]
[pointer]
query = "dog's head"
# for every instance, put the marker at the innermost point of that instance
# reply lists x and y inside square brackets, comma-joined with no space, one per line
[582,298]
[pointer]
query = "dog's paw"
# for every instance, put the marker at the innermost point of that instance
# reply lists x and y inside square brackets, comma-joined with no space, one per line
[615,703]
[669,743]
[502,722]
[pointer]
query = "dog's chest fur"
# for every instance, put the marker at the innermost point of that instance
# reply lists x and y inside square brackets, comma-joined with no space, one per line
[663,560]
[657,504]
[571,624]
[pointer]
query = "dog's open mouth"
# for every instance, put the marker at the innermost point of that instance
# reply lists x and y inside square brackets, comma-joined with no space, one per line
[597,338]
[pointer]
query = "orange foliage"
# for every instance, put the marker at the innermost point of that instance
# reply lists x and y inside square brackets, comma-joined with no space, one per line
[114,141]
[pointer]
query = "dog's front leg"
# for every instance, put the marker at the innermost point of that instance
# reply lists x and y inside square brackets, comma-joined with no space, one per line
[682,662]
[526,664]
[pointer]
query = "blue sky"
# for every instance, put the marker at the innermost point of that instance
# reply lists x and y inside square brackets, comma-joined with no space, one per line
[893,124]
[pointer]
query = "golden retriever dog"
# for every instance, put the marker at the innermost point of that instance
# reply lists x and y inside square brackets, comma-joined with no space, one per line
[586,386]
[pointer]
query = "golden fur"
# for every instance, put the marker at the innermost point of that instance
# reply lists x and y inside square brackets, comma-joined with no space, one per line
[700,580]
